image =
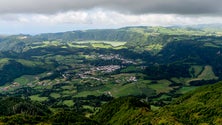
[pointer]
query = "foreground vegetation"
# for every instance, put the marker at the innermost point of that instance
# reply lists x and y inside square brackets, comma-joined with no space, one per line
[202,106]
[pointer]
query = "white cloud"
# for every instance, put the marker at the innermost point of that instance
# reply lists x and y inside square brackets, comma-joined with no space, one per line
[103,17]
[99,18]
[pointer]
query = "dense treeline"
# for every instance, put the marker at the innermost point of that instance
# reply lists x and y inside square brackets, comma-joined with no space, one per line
[14,110]
[13,70]
[14,105]
[167,71]
[126,110]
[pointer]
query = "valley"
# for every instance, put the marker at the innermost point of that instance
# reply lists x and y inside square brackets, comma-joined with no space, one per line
[81,71]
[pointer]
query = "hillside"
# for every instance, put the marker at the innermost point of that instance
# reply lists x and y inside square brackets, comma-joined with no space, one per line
[202,106]
[138,39]
[126,110]
[20,111]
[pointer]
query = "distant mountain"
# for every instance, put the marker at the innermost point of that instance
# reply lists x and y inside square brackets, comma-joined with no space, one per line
[134,36]
[217,27]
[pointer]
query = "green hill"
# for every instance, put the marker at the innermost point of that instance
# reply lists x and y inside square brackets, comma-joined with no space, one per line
[14,110]
[13,105]
[123,111]
[199,107]
[202,106]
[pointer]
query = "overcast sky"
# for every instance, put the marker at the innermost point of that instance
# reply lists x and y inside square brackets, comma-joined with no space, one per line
[38,16]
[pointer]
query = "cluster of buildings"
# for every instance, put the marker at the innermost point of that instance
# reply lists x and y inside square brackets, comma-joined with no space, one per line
[13,85]
[106,69]
[117,57]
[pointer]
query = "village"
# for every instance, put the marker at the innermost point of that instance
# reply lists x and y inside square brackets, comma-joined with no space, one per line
[117,57]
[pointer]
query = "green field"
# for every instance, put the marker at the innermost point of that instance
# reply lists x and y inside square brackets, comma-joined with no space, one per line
[211,45]
[103,44]
[184,90]
[207,74]
[24,80]
[68,102]
[37,98]
[86,93]
[196,70]
[3,61]
[45,44]
[129,89]
[154,47]
[162,86]
[55,95]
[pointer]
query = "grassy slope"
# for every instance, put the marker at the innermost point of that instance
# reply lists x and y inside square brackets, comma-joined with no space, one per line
[123,111]
[202,106]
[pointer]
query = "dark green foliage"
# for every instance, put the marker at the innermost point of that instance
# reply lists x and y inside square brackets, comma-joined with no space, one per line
[52,76]
[200,106]
[167,71]
[14,70]
[14,105]
[21,119]
[15,110]
[31,109]
[202,82]
[107,35]
[192,51]
[24,91]
[70,118]
[124,110]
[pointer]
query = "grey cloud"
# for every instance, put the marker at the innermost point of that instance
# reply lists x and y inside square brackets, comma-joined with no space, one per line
[8,17]
[192,7]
